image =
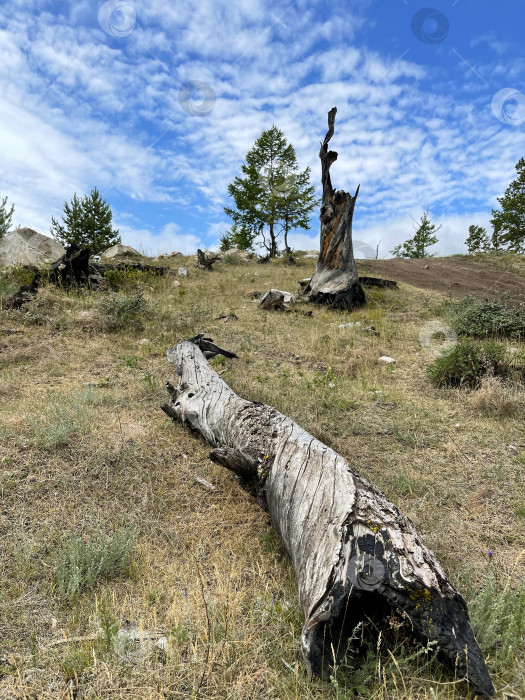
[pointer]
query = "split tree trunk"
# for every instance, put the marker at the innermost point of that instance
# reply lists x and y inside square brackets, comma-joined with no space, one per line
[204,261]
[353,552]
[335,280]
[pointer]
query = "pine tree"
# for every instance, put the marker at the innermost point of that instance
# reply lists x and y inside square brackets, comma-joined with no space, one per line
[239,237]
[86,222]
[273,195]
[6,216]
[423,238]
[509,222]
[477,240]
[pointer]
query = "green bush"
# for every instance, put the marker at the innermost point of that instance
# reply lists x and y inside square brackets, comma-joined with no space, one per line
[128,279]
[486,318]
[83,562]
[469,361]
[123,311]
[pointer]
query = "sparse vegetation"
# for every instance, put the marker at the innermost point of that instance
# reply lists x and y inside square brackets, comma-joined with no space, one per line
[82,562]
[207,571]
[121,311]
[480,319]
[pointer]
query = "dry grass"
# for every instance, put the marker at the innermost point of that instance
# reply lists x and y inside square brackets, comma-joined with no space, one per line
[208,574]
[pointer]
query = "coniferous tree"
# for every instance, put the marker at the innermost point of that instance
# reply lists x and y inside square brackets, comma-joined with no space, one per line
[272,195]
[238,237]
[86,222]
[477,240]
[6,216]
[509,222]
[424,237]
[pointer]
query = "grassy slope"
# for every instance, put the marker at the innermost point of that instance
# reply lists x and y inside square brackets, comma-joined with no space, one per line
[208,571]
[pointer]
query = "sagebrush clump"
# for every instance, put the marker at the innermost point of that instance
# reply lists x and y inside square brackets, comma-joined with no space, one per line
[469,361]
[482,319]
[121,311]
[83,562]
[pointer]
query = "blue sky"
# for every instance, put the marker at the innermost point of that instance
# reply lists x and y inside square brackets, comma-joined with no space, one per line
[431,109]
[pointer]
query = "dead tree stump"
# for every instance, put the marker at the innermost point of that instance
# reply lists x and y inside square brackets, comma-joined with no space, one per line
[335,281]
[204,261]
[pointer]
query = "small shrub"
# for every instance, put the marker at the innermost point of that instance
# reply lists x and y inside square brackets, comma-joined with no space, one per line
[498,398]
[486,318]
[63,415]
[498,619]
[468,362]
[83,562]
[122,311]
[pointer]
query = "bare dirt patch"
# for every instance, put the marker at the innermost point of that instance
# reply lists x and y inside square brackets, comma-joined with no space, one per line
[453,276]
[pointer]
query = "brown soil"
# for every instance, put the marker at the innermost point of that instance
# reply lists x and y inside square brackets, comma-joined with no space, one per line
[452,276]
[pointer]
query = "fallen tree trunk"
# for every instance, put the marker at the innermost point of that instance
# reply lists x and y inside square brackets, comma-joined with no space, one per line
[335,281]
[354,553]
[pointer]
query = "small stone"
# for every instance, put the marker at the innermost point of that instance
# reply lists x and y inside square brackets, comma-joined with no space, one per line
[457,425]
[162,644]
[386,360]
[513,449]
[426,267]
[176,283]
[354,324]
[89,385]
[183,271]
[144,341]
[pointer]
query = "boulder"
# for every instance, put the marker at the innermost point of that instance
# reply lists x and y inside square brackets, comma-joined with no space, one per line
[240,254]
[25,247]
[120,251]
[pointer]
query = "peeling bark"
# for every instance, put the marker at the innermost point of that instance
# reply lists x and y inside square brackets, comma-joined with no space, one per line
[335,280]
[353,552]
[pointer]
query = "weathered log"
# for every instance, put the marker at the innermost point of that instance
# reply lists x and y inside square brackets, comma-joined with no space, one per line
[353,552]
[335,280]
[378,282]
[204,261]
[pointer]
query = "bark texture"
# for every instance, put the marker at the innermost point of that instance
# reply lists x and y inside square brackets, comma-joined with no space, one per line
[353,552]
[335,280]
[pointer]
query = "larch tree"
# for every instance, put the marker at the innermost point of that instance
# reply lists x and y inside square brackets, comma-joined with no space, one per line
[423,238]
[273,195]
[477,240]
[6,216]
[509,221]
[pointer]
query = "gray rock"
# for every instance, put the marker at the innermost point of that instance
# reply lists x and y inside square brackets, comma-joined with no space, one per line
[27,247]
